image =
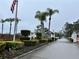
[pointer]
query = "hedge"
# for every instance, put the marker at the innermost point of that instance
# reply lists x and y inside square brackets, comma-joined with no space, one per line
[43,41]
[14,45]
[38,35]
[24,38]
[2,46]
[50,40]
[30,42]
[25,32]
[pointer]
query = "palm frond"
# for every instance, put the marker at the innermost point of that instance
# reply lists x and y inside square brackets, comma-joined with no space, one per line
[41,15]
[2,21]
[9,19]
[51,11]
[56,10]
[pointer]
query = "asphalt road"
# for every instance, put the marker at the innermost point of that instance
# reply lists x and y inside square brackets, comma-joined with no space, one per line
[62,49]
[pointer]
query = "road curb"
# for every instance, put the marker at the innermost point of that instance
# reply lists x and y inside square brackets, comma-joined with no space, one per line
[18,57]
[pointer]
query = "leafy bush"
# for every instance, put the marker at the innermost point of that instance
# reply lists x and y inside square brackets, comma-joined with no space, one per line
[43,41]
[30,42]
[50,40]
[2,46]
[24,38]
[38,35]
[14,45]
[70,39]
[25,32]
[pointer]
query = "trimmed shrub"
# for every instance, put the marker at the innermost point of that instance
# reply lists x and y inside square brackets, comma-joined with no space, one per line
[50,40]
[30,42]
[2,47]
[25,32]
[43,41]
[24,38]
[70,39]
[14,45]
[38,35]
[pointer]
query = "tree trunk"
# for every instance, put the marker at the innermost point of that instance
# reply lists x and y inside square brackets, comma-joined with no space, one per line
[49,22]
[10,28]
[42,29]
[2,28]
[49,34]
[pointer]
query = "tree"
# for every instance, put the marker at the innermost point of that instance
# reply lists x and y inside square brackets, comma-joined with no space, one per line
[2,21]
[68,29]
[50,13]
[41,17]
[76,25]
[10,20]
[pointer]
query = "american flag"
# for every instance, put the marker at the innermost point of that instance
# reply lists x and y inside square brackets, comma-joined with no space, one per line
[13,6]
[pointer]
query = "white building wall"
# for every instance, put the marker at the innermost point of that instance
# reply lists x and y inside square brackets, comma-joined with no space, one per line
[74,37]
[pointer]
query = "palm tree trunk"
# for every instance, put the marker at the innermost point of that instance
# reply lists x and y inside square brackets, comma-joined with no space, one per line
[49,22]
[2,28]
[10,28]
[49,34]
[42,29]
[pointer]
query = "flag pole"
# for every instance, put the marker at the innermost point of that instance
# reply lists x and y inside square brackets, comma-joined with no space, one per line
[15,25]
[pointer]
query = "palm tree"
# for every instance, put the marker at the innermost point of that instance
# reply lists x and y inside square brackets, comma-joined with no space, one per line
[51,12]
[10,20]
[41,17]
[2,21]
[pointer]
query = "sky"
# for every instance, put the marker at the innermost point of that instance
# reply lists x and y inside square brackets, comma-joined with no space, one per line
[68,12]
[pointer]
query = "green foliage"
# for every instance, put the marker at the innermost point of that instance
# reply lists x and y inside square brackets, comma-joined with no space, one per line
[2,46]
[24,38]
[14,45]
[41,15]
[43,41]
[25,32]
[2,21]
[12,19]
[38,35]
[76,25]
[57,34]
[61,34]
[51,40]
[51,11]
[30,42]
[68,29]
